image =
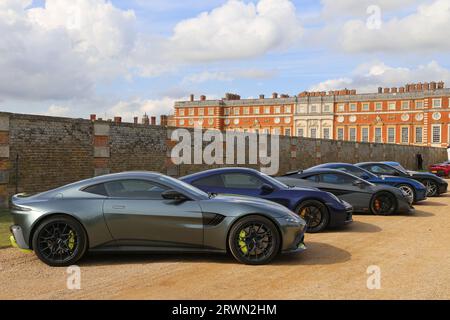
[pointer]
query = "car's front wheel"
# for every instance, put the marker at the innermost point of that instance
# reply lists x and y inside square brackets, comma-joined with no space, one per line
[408,192]
[383,203]
[316,215]
[60,241]
[254,240]
[432,188]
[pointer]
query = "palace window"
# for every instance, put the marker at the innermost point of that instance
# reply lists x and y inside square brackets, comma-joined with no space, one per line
[201,112]
[191,111]
[405,135]
[378,106]
[341,107]
[211,111]
[287,109]
[419,104]
[405,105]
[267,110]
[365,134]
[236,111]
[181,112]
[247,111]
[256,110]
[340,133]
[313,133]
[326,133]
[419,135]
[226,111]
[365,106]
[391,135]
[326,108]
[300,132]
[436,133]
[277,110]
[353,106]
[287,132]
[313,109]
[352,134]
[437,103]
[378,135]
[392,106]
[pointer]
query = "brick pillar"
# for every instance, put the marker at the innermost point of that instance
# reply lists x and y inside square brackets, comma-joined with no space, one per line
[5,164]
[101,148]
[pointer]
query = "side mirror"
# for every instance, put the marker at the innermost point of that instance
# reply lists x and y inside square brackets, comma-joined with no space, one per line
[173,195]
[266,189]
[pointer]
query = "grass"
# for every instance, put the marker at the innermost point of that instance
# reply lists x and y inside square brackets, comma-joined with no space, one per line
[5,223]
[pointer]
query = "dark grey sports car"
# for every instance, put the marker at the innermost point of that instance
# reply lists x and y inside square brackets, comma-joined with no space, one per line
[362,195]
[150,212]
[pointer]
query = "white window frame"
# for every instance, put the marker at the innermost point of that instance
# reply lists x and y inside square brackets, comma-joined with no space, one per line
[201,111]
[300,132]
[311,135]
[226,111]
[407,106]
[246,111]
[287,132]
[375,129]
[313,108]
[402,141]
[378,106]
[365,106]
[421,134]
[181,112]
[353,107]
[236,111]
[191,111]
[388,140]
[256,110]
[432,133]
[354,129]
[392,106]
[440,103]
[326,135]
[421,102]
[368,134]
[266,110]
[341,107]
[277,110]
[338,130]
[287,109]
[210,111]
[326,108]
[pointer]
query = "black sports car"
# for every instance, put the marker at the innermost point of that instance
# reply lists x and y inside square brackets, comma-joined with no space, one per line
[362,195]
[435,185]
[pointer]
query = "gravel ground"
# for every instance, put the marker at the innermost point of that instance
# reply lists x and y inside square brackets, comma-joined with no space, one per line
[413,253]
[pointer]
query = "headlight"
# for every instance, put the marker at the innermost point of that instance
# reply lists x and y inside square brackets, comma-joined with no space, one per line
[293,220]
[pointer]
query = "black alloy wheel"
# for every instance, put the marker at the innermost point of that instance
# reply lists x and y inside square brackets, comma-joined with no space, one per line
[254,240]
[316,215]
[432,188]
[383,203]
[60,241]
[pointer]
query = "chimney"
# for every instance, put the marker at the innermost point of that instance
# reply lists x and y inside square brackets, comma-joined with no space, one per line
[135,120]
[353,92]
[145,120]
[118,120]
[380,90]
[401,89]
[441,85]
[164,120]
[261,96]
[426,86]
[274,95]
[153,121]
[202,98]
[93,117]
[433,85]
[394,90]
[387,90]
[191,98]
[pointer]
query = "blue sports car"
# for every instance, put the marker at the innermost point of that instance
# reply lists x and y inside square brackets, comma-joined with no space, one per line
[414,190]
[320,209]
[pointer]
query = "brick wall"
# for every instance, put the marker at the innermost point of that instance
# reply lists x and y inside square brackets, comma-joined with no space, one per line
[56,151]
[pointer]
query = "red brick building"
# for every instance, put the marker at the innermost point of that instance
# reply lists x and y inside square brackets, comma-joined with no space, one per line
[416,114]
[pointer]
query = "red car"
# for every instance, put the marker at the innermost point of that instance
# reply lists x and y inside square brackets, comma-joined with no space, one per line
[441,169]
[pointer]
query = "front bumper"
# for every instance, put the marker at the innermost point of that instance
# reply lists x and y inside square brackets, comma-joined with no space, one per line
[17,238]
[443,188]
[341,217]
[421,195]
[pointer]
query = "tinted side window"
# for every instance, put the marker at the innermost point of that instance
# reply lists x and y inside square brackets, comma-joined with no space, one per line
[314,178]
[98,189]
[140,189]
[211,181]
[241,181]
[380,169]
[335,178]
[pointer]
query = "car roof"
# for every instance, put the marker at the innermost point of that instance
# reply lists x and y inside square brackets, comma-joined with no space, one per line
[218,171]
[324,170]
[391,163]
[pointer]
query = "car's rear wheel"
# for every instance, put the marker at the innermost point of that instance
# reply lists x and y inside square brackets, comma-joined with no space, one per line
[432,188]
[60,241]
[254,240]
[316,215]
[383,203]
[409,192]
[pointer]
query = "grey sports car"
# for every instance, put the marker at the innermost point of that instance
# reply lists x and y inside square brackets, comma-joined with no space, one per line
[150,212]
[361,194]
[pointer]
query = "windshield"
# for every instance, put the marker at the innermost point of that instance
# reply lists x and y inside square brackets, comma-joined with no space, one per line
[273,181]
[356,171]
[399,167]
[185,186]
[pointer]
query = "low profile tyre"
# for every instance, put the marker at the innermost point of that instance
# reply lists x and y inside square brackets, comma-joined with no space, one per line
[316,215]
[383,203]
[409,192]
[432,188]
[60,241]
[254,240]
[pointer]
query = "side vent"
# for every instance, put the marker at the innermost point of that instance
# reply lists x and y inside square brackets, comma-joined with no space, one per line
[212,219]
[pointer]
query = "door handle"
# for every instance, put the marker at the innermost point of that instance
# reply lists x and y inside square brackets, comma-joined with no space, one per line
[118,207]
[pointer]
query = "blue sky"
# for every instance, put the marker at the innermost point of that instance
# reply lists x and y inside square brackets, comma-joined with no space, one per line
[73,58]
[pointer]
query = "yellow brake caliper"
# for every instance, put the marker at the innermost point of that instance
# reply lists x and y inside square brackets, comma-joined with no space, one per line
[71,240]
[242,243]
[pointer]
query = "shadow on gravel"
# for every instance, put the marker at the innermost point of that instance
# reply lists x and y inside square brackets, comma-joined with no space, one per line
[420,214]
[430,203]
[317,254]
[356,227]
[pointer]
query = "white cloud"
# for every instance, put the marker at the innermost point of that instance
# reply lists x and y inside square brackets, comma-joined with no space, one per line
[58,111]
[62,50]
[427,29]
[368,77]
[236,30]
[340,8]
[206,76]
